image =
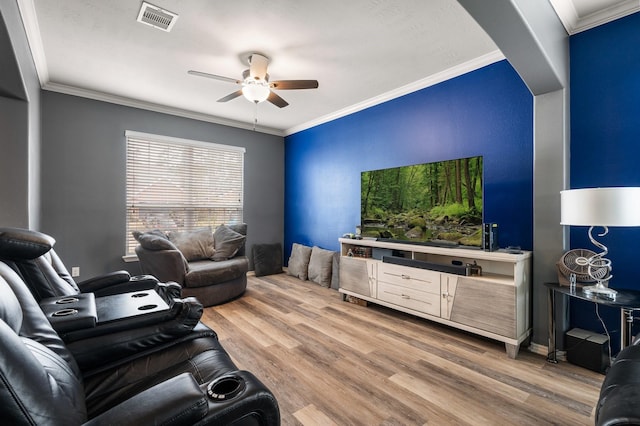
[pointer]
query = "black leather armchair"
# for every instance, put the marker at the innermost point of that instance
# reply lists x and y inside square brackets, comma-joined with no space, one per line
[619,402]
[178,383]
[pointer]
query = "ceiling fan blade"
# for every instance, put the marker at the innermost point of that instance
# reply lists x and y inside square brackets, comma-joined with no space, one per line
[277,100]
[231,96]
[215,77]
[294,84]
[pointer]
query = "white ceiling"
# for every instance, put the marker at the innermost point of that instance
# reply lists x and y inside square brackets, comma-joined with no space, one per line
[362,52]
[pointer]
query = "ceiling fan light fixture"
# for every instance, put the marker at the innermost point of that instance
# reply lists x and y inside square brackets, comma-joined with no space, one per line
[255,90]
[255,85]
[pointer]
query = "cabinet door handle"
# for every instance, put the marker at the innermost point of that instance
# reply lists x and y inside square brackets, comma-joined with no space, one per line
[405,296]
[405,277]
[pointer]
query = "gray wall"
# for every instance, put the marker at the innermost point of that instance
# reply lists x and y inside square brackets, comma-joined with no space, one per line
[19,123]
[83,177]
[14,182]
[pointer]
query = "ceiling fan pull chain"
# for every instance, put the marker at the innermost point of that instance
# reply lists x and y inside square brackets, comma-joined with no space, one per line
[255,117]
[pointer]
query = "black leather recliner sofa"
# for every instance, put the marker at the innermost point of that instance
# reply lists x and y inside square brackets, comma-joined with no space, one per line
[619,401]
[31,254]
[189,380]
[103,323]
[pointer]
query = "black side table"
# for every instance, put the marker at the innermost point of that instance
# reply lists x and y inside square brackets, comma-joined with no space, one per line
[626,300]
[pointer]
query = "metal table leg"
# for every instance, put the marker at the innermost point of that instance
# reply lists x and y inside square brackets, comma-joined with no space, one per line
[552,354]
[626,327]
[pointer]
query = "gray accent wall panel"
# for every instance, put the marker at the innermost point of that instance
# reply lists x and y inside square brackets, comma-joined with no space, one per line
[19,122]
[534,41]
[83,176]
[14,188]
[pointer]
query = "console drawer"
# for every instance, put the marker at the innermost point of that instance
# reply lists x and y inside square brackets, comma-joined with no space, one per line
[412,278]
[428,303]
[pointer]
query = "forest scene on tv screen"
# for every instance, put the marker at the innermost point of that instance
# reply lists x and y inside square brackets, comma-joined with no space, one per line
[437,202]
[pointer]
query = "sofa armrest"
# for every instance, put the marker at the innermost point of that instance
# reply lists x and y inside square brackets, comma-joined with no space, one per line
[177,401]
[114,341]
[122,282]
[96,283]
[180,401]
[620,390]
[254,404]
[619,406]
[165,265]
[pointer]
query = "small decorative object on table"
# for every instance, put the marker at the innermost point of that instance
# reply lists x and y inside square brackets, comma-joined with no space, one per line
[358,232]
[575,263]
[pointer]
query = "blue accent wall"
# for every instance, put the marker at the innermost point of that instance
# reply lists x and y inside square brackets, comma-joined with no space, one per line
[605,141]
[486,112]
[605,128]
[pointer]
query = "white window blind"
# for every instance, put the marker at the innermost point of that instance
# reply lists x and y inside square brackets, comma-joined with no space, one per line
[177,184]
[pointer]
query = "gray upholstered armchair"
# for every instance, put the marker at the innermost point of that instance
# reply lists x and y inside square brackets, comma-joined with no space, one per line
[210,266]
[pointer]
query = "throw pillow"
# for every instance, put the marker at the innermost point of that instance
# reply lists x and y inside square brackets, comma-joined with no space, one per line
[194,245]
[227,242]
[267,259]
[240,228]
[335,275]
[299,261]
[153,240]
[320,266]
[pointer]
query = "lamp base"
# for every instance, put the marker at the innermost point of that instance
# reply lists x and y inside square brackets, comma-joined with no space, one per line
[600,290]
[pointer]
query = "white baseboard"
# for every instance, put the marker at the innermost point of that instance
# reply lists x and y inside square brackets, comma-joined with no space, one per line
[544,351]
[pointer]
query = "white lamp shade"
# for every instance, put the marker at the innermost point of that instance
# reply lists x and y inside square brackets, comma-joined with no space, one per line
[256,92]
[618,206]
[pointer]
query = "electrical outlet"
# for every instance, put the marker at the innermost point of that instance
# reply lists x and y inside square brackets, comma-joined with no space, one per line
[75,271]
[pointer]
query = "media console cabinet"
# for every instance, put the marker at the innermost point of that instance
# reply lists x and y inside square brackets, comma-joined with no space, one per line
[426,281]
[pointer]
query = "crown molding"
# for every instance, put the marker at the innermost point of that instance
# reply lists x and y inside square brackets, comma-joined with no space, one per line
[30,22]
[432,80]
[150,106]
[573,23]
[453,72]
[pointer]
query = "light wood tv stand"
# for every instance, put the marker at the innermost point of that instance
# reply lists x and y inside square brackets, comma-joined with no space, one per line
[495,305]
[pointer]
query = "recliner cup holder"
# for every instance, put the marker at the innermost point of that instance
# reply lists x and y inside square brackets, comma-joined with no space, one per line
[225,388]
[147,307]
[66,300]
[65,312]
[138,295]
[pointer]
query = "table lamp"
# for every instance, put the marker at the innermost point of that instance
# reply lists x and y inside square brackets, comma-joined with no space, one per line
[600,207]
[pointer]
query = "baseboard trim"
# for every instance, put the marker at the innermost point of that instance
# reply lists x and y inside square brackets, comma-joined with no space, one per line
[544,351]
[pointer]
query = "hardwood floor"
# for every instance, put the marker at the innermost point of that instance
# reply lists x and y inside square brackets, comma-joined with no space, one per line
[330,362]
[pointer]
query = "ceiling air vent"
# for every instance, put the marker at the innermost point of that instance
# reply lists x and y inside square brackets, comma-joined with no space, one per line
[156,17]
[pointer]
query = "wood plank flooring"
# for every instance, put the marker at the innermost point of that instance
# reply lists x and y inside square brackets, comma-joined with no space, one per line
[330,362]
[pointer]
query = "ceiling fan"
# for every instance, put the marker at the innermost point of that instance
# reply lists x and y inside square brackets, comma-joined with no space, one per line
[255,83]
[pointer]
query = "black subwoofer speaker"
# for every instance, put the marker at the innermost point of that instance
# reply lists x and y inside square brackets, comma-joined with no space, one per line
[587,349]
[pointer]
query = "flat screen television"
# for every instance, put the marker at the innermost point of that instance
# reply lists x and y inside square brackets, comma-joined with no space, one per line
[438,203]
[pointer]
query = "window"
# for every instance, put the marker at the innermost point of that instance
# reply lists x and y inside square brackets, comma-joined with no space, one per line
[181,184]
